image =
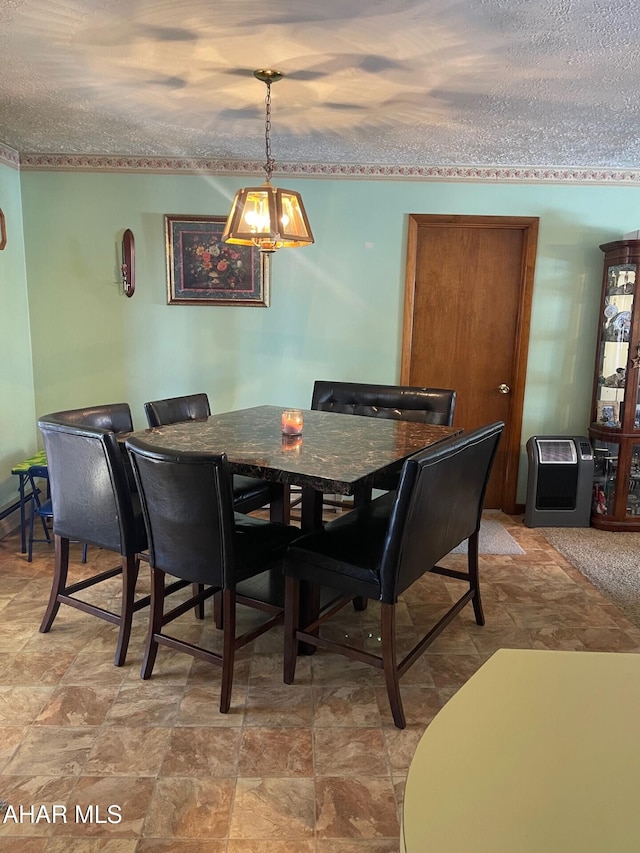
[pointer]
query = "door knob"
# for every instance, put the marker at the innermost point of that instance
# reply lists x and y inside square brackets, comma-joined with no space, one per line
[504,389]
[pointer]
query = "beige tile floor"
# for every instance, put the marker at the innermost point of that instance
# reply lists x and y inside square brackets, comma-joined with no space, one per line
[315,767]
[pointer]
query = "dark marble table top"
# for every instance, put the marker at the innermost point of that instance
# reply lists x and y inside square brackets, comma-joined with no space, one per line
[336,453]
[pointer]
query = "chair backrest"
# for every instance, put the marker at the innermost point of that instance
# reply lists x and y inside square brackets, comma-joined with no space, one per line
[187,504]
[400,402]
[115,417]
[173,410]
[437,506]
[91,497]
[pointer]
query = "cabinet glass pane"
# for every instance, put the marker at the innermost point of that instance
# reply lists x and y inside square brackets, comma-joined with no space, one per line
[614,347]
[633,496]
[605,469]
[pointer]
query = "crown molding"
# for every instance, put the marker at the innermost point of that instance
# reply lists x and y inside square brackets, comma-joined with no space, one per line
[9,156]
[185,165]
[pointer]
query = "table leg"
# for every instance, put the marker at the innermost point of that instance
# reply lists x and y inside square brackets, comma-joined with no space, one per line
[311,510]
[309,592]
[360,498]
[280,506]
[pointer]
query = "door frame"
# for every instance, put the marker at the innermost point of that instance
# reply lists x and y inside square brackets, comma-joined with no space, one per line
[529,227]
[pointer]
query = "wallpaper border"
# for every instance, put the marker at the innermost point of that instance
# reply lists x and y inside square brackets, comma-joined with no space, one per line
[184,165]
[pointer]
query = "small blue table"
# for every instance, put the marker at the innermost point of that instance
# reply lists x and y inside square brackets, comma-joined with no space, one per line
[21,470]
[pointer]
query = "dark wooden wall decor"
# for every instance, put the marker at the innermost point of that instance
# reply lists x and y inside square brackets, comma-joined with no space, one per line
[3,231]
[128,263]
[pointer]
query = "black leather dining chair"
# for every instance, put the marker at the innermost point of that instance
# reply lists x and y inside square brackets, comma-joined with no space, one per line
[194,533]
[380,549]
[396,402]
[92,502]
[400,402]
[173,410]
[115,417]
[249,493]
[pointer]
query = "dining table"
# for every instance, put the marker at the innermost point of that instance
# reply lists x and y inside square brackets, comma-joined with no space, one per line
[334,454]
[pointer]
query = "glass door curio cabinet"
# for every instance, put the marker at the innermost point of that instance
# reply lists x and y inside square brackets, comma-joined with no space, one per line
[615,415]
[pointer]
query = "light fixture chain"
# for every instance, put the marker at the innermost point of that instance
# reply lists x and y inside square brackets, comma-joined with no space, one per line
[268,166]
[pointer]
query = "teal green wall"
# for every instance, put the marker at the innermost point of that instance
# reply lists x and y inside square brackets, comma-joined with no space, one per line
[336,306]
[17,410]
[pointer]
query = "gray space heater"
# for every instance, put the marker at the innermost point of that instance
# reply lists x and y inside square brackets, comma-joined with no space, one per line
[560,481]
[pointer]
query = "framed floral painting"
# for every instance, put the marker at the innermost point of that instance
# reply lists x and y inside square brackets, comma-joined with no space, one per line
[202,270]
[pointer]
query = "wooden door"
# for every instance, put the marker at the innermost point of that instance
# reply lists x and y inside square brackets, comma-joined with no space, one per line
[466,324]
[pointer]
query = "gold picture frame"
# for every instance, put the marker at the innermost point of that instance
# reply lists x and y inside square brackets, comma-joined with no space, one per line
[202,270]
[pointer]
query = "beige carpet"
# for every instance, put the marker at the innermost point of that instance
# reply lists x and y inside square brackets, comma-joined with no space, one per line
[611,561]
[494,539]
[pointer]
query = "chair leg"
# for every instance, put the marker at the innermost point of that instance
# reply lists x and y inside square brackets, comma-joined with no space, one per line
[474,580]
[197,589]
[309,610]
[61,570]
[130,568]
[228,648]
[388,625]
[84,552]
[218,615]
[155,622]
[291,624]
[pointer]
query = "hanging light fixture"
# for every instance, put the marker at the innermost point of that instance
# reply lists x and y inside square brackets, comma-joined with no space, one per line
[267,217]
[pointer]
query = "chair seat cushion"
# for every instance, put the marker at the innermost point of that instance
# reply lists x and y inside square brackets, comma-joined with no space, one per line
[251,489]
[267,586]
[344,551]
[259,542]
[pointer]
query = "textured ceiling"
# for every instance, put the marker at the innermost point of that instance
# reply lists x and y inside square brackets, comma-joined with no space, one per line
[417,82]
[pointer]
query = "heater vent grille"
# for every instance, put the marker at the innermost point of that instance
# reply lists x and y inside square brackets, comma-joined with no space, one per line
[557,452]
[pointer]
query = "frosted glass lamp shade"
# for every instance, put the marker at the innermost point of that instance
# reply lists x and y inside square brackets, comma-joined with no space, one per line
[269,218]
